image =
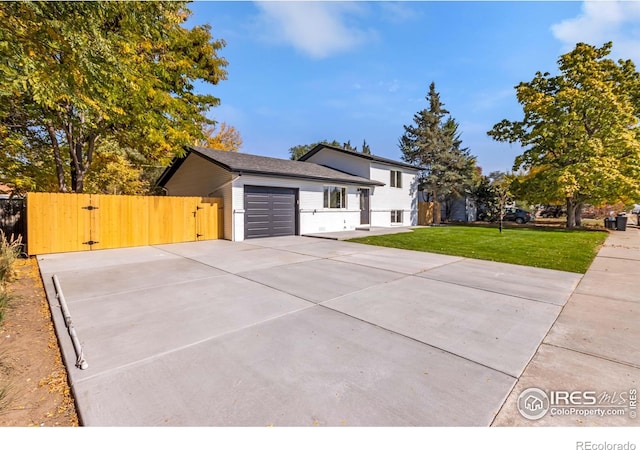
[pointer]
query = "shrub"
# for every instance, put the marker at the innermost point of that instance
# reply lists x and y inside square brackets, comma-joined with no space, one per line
[4,303]
[9,252]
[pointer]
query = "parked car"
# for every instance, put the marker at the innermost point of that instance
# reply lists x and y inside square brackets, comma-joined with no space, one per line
[517,215]
[552,211]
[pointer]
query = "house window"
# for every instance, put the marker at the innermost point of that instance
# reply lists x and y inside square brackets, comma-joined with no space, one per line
[396,179]
[335,197]
[396,216]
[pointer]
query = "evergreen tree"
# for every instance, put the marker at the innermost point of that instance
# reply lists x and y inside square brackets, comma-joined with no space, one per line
[433,142]
[347,146]
[365,148]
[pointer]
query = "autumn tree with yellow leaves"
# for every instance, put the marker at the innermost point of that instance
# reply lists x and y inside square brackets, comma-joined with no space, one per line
[221,137]
[580,131]
[80,80]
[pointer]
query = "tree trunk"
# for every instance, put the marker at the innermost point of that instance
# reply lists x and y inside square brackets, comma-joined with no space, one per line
[571,213]
[76,152]
[437,209]
[62,184]
[578,214]
[79,183]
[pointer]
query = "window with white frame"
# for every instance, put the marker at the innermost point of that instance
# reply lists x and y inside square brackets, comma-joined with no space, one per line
[335,197]
[396,216]
[396,179]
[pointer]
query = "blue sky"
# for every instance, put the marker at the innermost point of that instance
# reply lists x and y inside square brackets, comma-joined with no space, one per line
[300,72]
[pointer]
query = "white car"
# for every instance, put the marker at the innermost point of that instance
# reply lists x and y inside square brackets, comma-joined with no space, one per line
[636,209]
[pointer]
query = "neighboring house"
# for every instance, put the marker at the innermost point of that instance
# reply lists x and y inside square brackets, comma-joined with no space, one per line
[455,209]
[459,209]
[329,189]
[5,191]
[12,213]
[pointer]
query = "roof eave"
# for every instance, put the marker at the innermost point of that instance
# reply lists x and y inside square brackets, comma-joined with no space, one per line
[362,182]
[370,158]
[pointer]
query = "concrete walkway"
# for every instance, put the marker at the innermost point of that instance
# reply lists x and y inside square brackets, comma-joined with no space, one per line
[351,234]
[594,344]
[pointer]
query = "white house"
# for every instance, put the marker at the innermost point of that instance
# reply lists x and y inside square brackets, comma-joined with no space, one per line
[328,189]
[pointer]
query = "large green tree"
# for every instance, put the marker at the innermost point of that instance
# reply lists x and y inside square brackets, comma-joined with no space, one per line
[433,142]
[73,74]
[580,131]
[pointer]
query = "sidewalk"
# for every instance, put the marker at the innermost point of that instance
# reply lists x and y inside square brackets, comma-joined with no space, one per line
[594,344]
[350,234]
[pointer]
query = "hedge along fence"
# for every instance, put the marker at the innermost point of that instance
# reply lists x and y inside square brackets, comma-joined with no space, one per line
[76,222]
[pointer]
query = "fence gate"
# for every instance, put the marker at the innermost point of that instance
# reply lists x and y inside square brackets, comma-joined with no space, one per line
[76,222]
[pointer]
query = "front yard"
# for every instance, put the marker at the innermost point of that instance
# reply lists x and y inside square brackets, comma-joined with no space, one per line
[571,251]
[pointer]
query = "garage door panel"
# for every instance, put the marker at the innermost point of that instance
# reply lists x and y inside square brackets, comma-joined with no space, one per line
[269,211]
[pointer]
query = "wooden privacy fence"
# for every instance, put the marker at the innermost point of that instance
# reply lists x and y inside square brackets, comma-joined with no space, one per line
[76,222]
[428,213]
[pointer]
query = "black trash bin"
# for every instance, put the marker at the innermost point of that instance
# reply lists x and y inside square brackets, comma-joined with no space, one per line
[621,222]
[610,223]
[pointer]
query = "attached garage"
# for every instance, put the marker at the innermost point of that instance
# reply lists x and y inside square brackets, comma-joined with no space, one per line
[267,197]
[270,211]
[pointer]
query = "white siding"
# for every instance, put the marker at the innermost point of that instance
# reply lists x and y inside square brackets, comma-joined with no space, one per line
[351,164]
[386,198]
[197,176]
[313,217]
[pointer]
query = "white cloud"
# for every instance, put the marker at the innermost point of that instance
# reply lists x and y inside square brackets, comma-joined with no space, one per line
[483,101]
[318,29]
[398,12]
[389,86]
[602,21]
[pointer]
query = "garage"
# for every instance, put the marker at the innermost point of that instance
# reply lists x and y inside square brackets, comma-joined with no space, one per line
[267,197]
[269,211]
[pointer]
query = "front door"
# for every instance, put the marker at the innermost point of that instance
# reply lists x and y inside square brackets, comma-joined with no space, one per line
[364,207]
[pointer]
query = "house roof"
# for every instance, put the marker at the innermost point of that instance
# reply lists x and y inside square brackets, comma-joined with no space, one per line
[4,189]
[379,159]
[243,163]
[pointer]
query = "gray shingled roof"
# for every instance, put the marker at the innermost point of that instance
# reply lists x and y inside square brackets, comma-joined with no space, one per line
[380,159]
[243,163]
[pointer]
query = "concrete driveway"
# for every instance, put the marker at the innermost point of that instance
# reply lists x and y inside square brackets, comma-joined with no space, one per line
[298,331]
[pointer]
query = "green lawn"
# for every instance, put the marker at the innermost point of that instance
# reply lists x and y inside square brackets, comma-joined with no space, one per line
[571,251]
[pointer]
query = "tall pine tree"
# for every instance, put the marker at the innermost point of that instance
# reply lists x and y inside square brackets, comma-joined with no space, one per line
[433,142]
[365,148]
